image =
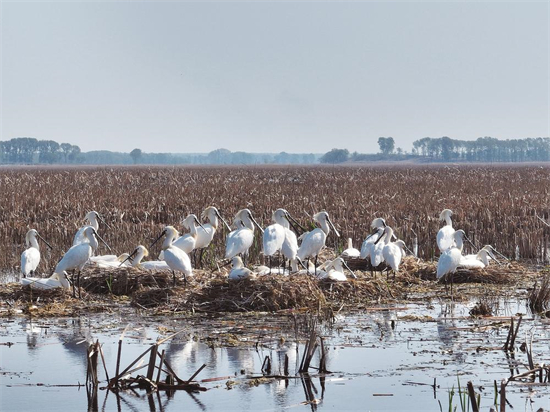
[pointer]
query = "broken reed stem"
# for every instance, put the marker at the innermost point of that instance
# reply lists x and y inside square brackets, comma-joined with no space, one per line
[160,367]
[472,395]
[266,366]
[503,395]
[510,331]
[515,333]
[197,372]
[323,359]
[152,359]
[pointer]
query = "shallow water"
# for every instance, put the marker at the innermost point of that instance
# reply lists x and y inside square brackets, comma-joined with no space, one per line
[376,367]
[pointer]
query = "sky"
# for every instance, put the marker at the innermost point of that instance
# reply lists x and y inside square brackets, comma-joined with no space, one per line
[305,76]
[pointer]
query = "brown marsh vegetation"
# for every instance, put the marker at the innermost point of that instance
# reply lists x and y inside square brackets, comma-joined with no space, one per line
[493,204]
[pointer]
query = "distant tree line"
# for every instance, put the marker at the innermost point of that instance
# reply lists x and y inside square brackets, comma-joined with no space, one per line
[28,150]
[445,149]
[484,149]
[31,150]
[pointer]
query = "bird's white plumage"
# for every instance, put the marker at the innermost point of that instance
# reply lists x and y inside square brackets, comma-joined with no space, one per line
[479,260]
[367,246]
[238,271]
[445,239]
[240,240]
[351,252]
[30,258]
[206,233]
[52,282]
[175,258]
[77,256]
[313,242]
[334,271]
[273,239]
[92,217]
[392,251]
[290,245]
[450,259]
[139,253]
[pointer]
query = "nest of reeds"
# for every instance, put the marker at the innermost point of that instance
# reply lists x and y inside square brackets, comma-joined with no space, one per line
[122,281]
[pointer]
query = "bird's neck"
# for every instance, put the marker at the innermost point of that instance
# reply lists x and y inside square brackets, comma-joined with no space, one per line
[448,221]
[324,227]
[32,242]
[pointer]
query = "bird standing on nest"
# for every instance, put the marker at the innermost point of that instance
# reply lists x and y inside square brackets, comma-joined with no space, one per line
[175,258]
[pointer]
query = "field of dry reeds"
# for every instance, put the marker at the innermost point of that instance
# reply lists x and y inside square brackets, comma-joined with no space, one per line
[493,204]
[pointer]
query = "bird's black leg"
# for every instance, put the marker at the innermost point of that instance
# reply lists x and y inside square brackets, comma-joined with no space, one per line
[79,291]
[73,281]
[315,264]
[174,277]
[200,256]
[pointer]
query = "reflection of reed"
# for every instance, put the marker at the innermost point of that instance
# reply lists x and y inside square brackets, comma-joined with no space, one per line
[311,392]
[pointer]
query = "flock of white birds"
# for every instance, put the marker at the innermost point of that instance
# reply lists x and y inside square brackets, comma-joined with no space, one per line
[300,252]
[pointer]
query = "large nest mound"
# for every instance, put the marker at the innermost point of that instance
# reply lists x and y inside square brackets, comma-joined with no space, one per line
[268,294]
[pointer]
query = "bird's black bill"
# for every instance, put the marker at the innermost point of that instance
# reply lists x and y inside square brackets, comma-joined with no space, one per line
[157,239]
[102,241]
[44,240]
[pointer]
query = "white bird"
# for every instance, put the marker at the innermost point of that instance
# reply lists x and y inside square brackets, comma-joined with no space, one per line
[479,260]
[239,271]
[377,250]
[93,218]
[450,259]
[392,252]
[109,261]
[313,242]
[240,240]
[274,235]
[206,232]
[188,241]
[279,237]
[445,239]
[30,258]
[263,270]
[139,253]
[177,259]
[351,252]
[54,281]
[335,271]
[367,246]
[74,259]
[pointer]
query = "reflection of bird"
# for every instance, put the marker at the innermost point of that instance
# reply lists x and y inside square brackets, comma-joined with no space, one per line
[30,258]
[240,240]
[378,225]
[351,252]
[450,259]
[313,242]
[93,218]
[239,271]
[445,238]
[175,258]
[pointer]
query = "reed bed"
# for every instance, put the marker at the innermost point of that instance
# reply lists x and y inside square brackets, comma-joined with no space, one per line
[494,205]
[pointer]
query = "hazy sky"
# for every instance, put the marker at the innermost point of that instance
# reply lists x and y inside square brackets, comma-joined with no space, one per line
[272,76]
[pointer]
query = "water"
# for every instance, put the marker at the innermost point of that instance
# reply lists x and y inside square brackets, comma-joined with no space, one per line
[376,367]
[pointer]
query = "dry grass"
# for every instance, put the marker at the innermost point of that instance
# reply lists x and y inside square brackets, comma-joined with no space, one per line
[494,205]
[539,296]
